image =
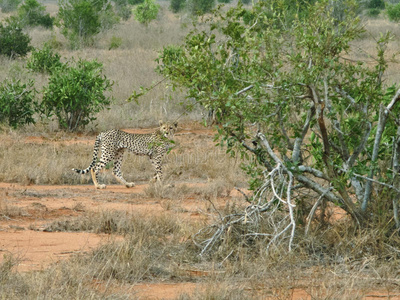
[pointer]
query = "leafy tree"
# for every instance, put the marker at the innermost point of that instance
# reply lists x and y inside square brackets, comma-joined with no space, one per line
[17,102]
[44,60]
[146,12]
[302,115]
[76,93]
[9,5]
[13,42]
[32,13]
[81,20]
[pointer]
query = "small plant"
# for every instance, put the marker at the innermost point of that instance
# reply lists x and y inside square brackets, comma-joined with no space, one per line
[177,5]
[76,93]
[393,12]
[12,40]
[115,42]
[17,103]
[44,60]
[146,12]
[32,13]
[9,5]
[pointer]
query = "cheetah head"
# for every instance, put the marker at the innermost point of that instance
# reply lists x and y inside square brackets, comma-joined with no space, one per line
[168,129]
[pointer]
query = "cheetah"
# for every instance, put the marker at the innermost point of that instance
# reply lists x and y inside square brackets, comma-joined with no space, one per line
[114,142]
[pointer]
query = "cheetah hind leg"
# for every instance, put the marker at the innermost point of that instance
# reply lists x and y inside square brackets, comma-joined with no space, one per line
[94,178]
[117,170]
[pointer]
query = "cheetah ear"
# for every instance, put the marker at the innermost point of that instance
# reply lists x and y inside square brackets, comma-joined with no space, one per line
[176,124]
[160,123]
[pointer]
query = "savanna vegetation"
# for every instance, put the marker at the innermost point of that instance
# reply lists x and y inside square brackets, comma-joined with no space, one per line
[303,100]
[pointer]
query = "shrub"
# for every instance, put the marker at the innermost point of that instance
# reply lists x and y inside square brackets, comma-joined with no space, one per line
[32,13]
[75,94]
[377,4]
[9,5]
[12,40]
[200,7]
[44,60]
[177,5]
[146,12]
[373,12]
[17,103]
[224,1]
[393,12]
[80,20]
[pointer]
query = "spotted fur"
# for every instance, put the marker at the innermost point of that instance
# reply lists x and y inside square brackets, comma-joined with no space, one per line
[114,142]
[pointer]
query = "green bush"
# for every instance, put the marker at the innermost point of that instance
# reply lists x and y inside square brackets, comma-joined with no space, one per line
[224,1]
[17,103]
[44,60]
[12,40]
[32,13]
[81,20]
[146,12]
[200,7]
[9,5]
[76,93]
[376,4]
[393,12]
[177,5]
[373,12]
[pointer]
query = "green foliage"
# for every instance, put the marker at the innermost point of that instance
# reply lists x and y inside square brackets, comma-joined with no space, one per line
[76,93]
[17,103]
[393,12]
[177,5]
[146,12]
[224,1]
[12,40]
[32,13]
[44,60]
[376,4]
[81,20]
[200,7]
[9,5]
[267,66]
[373,12]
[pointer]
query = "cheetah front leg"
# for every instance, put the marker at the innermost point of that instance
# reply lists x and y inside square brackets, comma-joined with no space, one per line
[156,162]
[117,169]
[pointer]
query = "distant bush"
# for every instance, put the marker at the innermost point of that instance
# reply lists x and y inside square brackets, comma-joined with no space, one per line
[373,12]
[224,1]
[17,103]
[12,40]
[177,5]
[81,20]
[393,12]
[146,12]
[32,13]
[9,5]
[76,93]
[376,4]
[44,60]
[200,7]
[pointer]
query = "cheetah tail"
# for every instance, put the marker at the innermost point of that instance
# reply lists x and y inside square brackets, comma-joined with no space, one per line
[95,152]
